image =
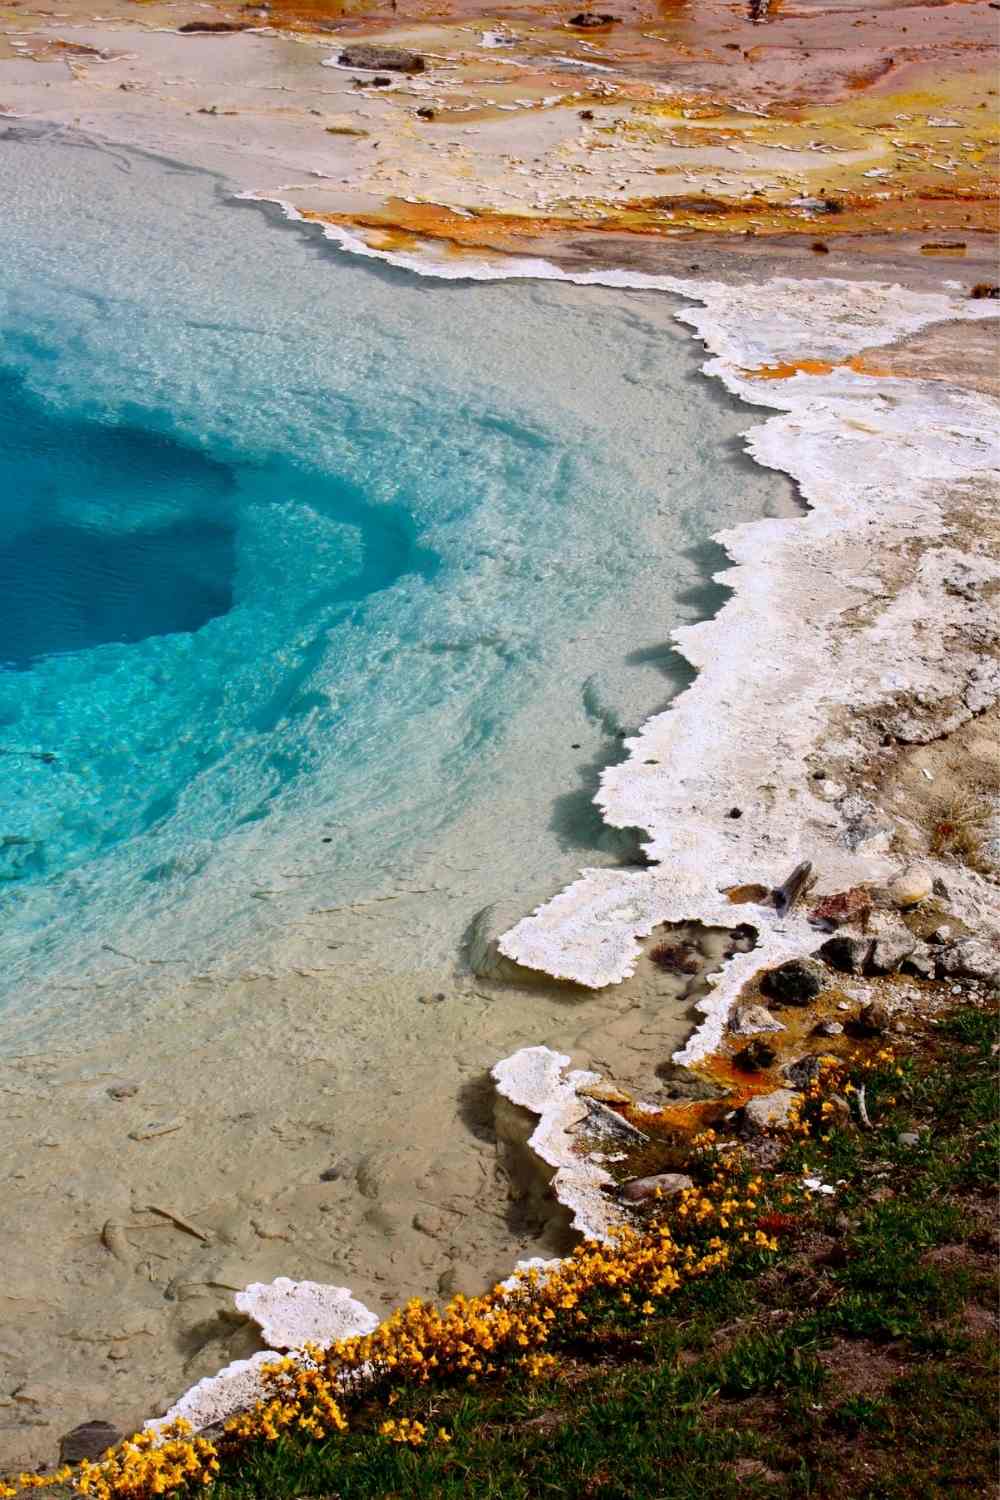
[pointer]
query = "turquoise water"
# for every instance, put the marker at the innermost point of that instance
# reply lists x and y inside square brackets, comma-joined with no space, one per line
[291,545]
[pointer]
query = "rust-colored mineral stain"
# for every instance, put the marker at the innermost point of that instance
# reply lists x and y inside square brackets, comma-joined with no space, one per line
[739,895]
[787,370]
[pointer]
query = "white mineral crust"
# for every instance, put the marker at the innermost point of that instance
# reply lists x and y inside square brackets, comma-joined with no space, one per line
[828,618]
[293,1313]
[290,1314]
[535,1079]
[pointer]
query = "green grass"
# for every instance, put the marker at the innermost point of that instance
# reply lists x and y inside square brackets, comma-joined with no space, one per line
[859,1363]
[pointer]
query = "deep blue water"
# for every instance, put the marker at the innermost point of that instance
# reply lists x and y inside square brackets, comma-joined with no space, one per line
[70,578]
[303,561]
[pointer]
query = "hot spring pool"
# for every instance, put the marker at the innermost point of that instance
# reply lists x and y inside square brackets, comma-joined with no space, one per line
[309,567]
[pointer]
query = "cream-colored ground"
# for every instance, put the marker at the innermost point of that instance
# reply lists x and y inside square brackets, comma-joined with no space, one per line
[260,1087]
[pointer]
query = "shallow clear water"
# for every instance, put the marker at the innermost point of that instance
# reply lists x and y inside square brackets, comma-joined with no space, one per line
[298,553]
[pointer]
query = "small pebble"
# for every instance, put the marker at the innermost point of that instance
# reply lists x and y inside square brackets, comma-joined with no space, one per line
[155,1128]
[123,1090]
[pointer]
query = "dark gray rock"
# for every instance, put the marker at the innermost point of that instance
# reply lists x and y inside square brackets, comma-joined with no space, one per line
[846,953]
[804,1070]
[795,982]
[89,1440]
[381,59]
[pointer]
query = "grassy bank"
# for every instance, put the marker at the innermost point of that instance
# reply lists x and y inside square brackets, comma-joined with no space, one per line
[857,1360]
[759,1336]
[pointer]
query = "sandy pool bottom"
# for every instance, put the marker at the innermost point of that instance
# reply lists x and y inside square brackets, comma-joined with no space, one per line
[357,1152]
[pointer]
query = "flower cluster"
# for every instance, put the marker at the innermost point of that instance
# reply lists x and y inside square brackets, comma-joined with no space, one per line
[149,1463]
[471,1338]
[404,1430]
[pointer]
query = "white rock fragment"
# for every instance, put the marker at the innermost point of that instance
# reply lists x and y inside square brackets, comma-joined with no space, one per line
[751,1020]
[287,1311]
[535,1079]
[218,1397]
[292,1313]
[770,1110]
[911,886]
[815,1185]
[543,1269]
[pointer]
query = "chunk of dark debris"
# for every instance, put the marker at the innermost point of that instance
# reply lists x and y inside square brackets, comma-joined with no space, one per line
[425,112]
[795,982]
[381,59]
[985,289]
[755,1056]
[819,247]
[742,939]
[677,958]
[588,18]
[212,27]
[585,114]
[846,953]
[798,884]
[123,1090]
